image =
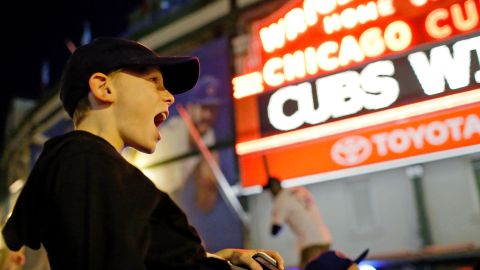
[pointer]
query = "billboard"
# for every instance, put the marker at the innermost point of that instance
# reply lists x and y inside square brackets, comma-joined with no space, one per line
[320,70]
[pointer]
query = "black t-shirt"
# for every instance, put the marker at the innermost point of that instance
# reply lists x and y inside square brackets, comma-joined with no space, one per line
[91,209]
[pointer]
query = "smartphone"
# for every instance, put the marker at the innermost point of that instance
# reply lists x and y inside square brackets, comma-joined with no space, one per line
[267,262]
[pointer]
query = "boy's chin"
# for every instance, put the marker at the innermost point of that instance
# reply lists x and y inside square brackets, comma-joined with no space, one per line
[147,149]
[150,150]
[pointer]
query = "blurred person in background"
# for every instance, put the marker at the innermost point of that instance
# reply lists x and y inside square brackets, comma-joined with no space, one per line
[296,208]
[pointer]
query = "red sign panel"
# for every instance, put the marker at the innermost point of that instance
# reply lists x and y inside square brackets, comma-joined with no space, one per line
[311,38]
[424,134]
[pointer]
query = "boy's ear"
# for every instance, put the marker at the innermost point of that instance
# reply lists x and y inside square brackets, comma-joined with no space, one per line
[99,87]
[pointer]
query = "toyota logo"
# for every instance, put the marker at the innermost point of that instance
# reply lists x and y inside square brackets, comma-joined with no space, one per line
[351,150]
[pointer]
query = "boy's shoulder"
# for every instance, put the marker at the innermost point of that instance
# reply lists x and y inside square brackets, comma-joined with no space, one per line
[77,144]
[79,154]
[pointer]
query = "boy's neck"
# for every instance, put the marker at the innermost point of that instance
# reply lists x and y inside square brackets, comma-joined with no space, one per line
[101,128]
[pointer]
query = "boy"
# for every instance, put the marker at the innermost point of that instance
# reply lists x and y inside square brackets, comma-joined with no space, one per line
[83,201]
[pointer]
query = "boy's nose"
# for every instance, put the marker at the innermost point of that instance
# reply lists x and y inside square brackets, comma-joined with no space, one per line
[168,97]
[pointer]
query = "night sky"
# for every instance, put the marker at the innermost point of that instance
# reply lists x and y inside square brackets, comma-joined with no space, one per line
[35,31]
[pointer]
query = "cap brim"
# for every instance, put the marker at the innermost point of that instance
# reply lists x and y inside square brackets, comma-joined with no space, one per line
[180,73]
[361,256]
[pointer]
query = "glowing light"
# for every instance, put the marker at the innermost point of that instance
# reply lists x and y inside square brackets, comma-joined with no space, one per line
[463,18]
[350,51]
[432,24]
[302,94]
[375,81]
[271,72]
[331,55]
[248,84]
[398,36]
[295,23]
[368,12]
[337,95]
[363,121]
[351,17]
[418,3]
[294,66]
[311,60]
[469,21]
[366,267]
[372,42]
[325,56]
[433,73]
[299,19]
[273,36]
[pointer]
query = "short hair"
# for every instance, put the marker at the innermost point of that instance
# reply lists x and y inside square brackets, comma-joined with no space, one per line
[83,106]
[81,110]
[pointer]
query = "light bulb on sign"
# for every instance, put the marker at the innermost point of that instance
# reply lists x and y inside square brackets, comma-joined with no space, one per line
[418,3]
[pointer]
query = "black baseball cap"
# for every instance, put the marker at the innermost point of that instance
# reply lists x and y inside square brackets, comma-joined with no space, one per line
[107,54]
[334,260]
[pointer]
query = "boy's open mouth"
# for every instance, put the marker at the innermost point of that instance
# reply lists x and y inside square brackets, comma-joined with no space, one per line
[160,118]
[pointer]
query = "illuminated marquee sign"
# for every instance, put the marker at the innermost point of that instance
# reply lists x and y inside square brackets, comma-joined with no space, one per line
[310,38]
[319,69]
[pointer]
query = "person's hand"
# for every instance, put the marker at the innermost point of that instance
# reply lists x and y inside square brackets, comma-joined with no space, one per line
[243,257]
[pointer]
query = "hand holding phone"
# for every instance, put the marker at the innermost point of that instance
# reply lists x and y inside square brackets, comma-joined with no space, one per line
[267,262]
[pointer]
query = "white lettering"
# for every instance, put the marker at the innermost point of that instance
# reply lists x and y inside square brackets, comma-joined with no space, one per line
[273,36]
[398,141]
[350,51]
[338,95]
[435,133]
[301,95]
[372,42]
[398,36]
[443,66]
[270,72]
[376,80]
[440,22]
[295,23]
[454,124]
[416,134]
[472,126]
[342,93]
[294,66]
[298,20]
[380,140]
[325,56]
[331,55]
[353,16]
